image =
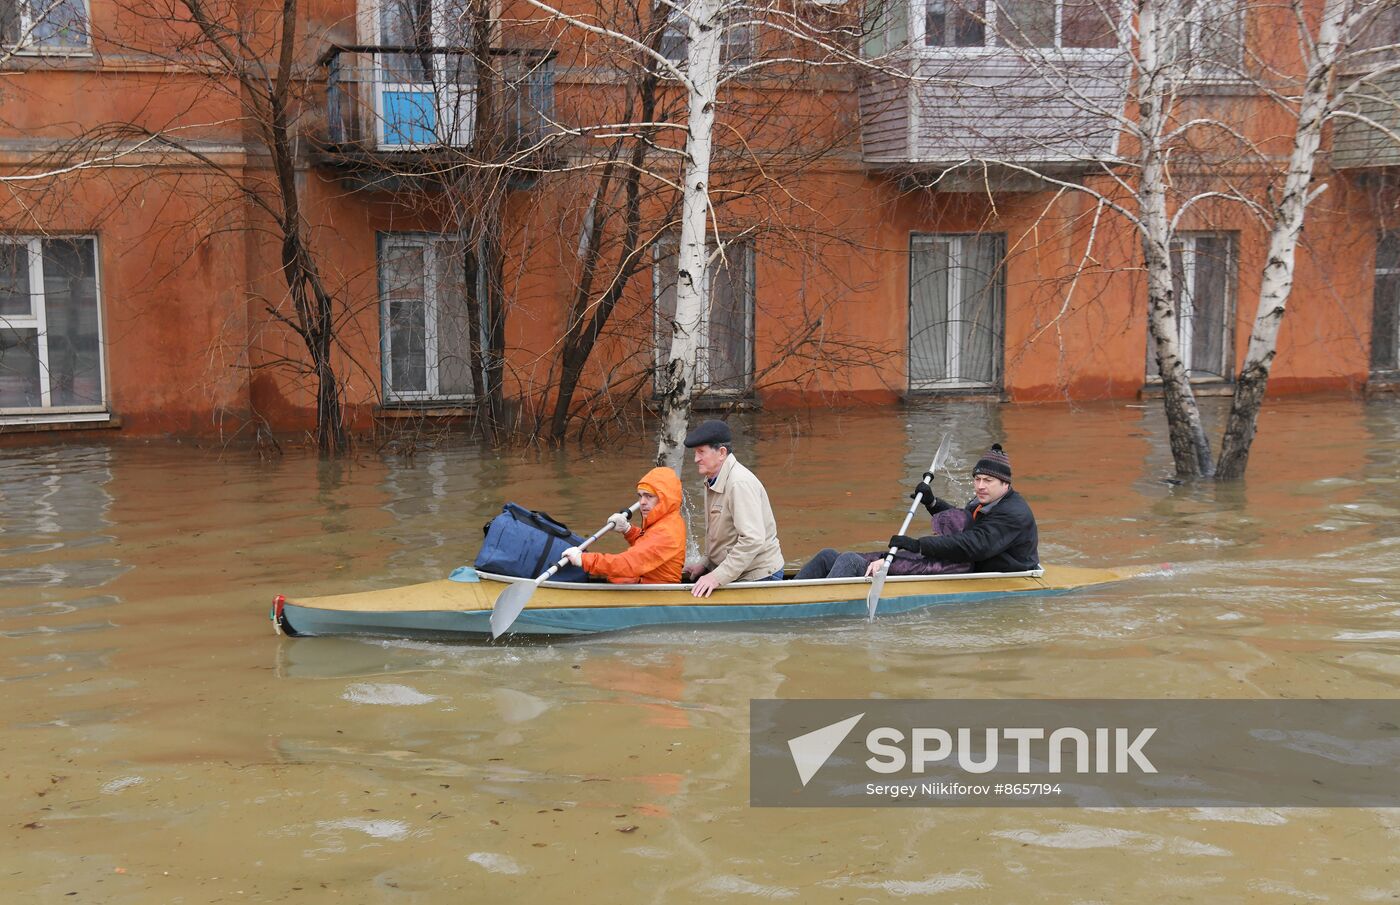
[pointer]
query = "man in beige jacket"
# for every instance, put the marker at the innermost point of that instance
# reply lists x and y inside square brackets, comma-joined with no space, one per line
[741,535]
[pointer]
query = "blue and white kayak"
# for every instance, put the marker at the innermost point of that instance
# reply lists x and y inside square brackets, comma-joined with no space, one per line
[459,607]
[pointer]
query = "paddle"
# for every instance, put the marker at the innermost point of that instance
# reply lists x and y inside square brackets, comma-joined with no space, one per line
[512,600]
[877,581]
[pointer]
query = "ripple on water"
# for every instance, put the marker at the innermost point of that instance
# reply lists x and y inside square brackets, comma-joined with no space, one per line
[939,883]
[72,574]
[729,885]
[1087,837]
[496,863]
[386,693]
[1255,816]
[58,630]
[1368,636]
[1286,891]
[648,851]
[118,785]
[517,706]
[393,830]
[58,607]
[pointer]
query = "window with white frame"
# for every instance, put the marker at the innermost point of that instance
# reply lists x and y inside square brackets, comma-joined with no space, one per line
[724,365]
[45,26]
[956,302]
[736,35]
[1385,300]
[50,326]
[427,97]
[1207,40]
[1064,24]
[425,322]
[1203,281]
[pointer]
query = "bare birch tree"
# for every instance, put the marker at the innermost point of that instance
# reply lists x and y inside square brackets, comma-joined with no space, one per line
[702,75]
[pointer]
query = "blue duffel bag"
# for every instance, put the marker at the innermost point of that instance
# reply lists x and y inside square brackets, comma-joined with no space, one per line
[524,543]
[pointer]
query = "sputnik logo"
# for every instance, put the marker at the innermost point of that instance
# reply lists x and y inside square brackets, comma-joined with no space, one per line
[811,751]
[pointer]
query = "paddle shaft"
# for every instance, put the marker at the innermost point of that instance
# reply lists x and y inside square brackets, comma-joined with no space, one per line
[877,584]
[909,516]
[511,602]
[584,546]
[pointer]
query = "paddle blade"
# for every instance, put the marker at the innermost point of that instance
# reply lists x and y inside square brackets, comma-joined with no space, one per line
[877,584]
[509,605]
[942,455]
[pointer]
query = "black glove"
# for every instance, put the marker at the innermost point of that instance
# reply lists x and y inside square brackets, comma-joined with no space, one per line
[927,498]
[905,542]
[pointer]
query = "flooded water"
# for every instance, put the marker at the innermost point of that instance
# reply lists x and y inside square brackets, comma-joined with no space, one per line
[160,744]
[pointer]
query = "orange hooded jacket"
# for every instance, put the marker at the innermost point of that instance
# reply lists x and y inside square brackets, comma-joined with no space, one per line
[657,548]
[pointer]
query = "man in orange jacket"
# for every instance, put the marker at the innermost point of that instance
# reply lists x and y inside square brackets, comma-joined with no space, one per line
[657,546]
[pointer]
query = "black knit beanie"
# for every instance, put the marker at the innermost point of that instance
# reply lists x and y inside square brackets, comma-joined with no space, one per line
[994,463]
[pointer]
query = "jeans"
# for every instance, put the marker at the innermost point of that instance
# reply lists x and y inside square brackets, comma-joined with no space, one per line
[831,563]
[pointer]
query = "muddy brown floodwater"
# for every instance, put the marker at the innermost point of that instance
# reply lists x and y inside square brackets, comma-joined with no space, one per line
[159,744]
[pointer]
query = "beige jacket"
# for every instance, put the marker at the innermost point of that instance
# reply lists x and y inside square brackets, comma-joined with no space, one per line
[741,535]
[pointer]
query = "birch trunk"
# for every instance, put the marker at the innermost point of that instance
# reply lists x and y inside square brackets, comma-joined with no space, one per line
[1277,281]
[1191,452]
[677,382]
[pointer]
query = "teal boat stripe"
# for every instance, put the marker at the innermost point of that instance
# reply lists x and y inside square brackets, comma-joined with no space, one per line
[584,620]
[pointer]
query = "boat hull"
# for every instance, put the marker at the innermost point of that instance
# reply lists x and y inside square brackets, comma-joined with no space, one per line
[460,607]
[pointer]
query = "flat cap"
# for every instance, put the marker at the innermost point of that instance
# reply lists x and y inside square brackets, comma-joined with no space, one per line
[708,433]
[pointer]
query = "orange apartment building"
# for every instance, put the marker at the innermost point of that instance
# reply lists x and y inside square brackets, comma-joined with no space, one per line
[876,257]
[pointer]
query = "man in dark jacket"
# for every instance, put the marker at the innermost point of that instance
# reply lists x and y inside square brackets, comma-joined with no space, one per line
[1001,537]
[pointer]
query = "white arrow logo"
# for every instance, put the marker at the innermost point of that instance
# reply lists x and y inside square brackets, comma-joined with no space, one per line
[810,751]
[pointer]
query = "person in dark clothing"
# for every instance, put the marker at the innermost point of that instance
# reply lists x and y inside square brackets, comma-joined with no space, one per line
[1002,536]
[832,563]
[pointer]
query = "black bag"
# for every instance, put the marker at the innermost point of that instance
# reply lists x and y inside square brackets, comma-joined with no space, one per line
[524,543]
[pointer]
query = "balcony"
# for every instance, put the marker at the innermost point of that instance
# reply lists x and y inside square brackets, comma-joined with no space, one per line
[408,112]
[1363,136]
[1364,139]
[969,93]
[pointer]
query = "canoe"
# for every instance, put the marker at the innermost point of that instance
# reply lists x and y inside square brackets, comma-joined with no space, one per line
[459,607]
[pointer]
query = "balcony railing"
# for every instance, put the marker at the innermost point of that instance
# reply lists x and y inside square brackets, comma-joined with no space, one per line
[950,109]
[393,99]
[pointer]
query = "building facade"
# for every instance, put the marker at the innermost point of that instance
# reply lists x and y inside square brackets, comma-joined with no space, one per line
[918,224]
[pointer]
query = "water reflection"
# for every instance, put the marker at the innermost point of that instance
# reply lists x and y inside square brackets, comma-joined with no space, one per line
[55,491]
[54,513]
[429,499]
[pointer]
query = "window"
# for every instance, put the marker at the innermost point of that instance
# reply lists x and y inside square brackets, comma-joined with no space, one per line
[886,26]
[425,324]
[1385,312]
[1021,23]
[45,26]
[736,37]
[1209,40]
[956,299]
[424,98]
[1203,280]
[50,326]
[724,365]
[951,23]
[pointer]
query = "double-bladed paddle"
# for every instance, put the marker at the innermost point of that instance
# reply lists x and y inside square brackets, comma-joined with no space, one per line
[512,600]
[877,581]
